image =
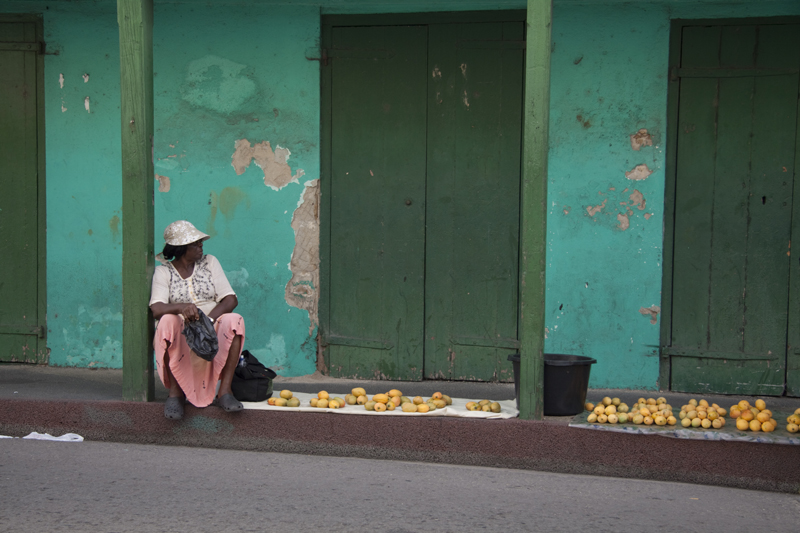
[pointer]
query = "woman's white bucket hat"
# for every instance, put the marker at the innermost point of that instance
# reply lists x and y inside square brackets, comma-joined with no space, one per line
[183,232]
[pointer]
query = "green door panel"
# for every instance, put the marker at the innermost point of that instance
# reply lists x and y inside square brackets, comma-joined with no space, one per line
[733,223]
[377,220]
[21,322]
[474,129]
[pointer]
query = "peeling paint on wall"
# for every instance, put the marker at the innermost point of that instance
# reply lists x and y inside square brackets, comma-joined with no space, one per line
[85,78]
[302,289]
[624,222]
[652,312]
[464,70]
[61,80]
[639,172]
[596,209]
[277,173]
[163,183]
[641,138]
[437,73]
[638,200]
[466,99]
[86,104]
[218,84]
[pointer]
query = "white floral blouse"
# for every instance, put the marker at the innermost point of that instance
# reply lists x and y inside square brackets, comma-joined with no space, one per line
[205,288]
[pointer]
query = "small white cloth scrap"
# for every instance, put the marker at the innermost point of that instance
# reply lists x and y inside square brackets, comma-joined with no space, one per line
[66,437]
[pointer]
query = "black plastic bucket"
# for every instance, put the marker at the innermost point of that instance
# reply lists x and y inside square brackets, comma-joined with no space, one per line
[566,380]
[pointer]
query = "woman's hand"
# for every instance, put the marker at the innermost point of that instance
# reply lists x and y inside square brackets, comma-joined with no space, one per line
[189,311]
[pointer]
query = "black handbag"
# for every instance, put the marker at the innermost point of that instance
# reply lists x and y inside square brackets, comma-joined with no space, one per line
[201,337]
[252,381]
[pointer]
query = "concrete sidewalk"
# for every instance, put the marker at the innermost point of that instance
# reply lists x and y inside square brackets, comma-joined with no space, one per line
[89,402]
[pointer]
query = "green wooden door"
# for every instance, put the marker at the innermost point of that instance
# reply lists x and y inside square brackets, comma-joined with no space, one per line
[425,135]
[733,223]
[22,315]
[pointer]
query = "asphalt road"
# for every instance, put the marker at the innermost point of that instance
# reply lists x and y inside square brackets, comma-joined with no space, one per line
[100,487]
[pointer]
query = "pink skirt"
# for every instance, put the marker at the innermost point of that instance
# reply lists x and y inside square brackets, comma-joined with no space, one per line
[197,377]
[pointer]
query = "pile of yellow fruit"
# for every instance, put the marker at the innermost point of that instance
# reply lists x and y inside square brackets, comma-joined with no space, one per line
[286,399]
[394,399]
[487,406]
[793,422]
[753,417]
[653,411]
[608,410]
[324,401]
[700,414]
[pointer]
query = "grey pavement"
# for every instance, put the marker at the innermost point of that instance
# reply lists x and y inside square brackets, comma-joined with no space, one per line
[121,488]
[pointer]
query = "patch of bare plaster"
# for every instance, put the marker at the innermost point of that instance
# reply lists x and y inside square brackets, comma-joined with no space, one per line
[652,312]
[464,70]
[85,78]
[61,80]
[593,210]
[466,100]
[641,138]
[277,173]
[301,291]
[624,222]
[163,183]
[647,216]
[567,209]
[87,105]
[437,73]
[638,200]
[639,172]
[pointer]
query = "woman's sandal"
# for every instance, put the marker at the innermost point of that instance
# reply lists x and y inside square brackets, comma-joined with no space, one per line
[173,409]
[229,403]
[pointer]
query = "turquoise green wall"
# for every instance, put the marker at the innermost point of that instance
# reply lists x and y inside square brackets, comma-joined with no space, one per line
[231,70]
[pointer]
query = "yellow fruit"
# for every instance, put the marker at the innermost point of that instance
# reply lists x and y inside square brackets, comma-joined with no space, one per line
[686,422]
[592,418]
[379,407]
[292,402]
[333,404]
[613,419]
[447,399]
[615,402]
[661,399]
[792,428]
[747,415]
[280,402]
[611,409]
[602,419]
[763,416]
[418,400]
[706,423]
[380,398]
[323,395]
[671,420]
[693,402]
[692,414]
[394,392]
[484,402]
[409,407]
[341,401]
[322,403]
[623,408]
[623,417]
[794,419]
[716,423]
[652,401]
[660,420]
[313,402]
[648,421]
[370,405]
[755,425]
[768,426]
[682,415]
[742,424]
[358,391]
[391,406]
[423,408]
[589,406]
[735,411]
[638,419]
[761,404]
[286,394]
[712,415]
[607,400]
[437,396]
[722,411]
[600,410]
[702,415]
[744,404]
[704,403]
[349,399]
[441,404]
[696,422]
[361,400]
[645,411]
[495,407]
[797,411]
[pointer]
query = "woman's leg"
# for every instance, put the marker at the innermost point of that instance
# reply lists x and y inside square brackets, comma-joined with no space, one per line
[175,390]
[226,377]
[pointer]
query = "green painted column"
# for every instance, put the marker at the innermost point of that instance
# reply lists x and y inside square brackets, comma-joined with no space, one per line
[135,18]
[534,208]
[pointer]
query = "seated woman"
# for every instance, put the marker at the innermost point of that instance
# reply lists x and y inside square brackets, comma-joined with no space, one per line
[188,282]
